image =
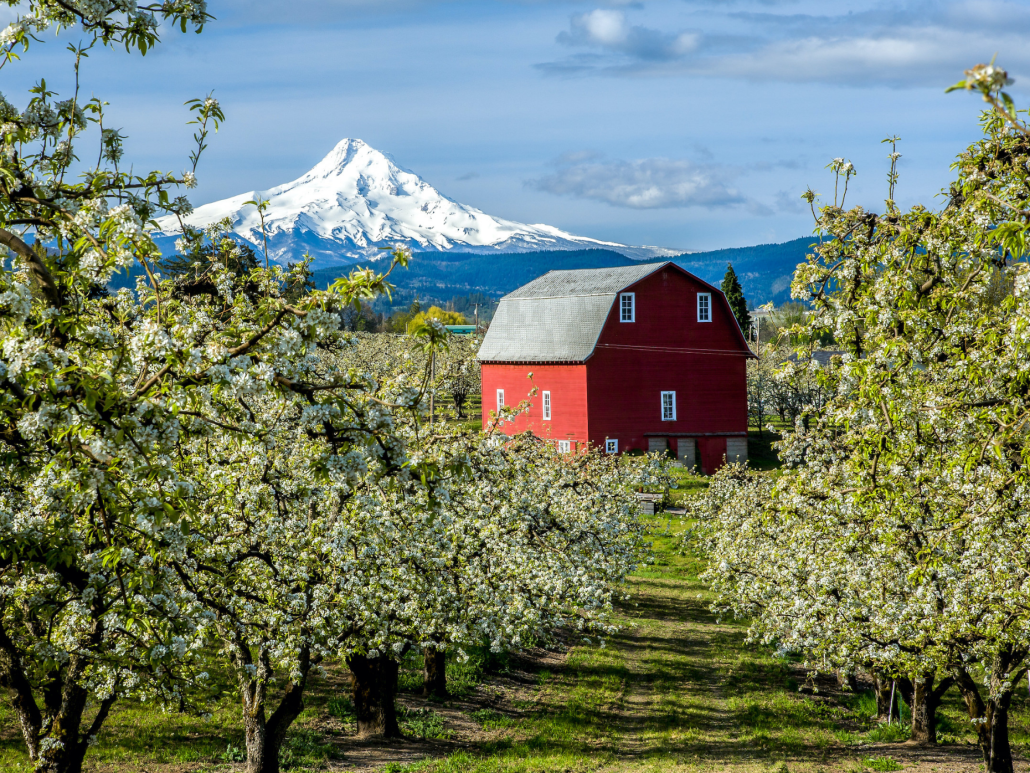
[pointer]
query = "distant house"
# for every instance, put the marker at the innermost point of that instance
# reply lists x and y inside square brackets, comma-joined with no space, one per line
[642,357]
[461,330]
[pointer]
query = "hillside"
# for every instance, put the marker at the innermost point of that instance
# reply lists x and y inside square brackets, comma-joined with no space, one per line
[442,274]
[764,270]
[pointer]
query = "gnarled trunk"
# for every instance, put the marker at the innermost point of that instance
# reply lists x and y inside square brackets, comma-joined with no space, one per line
[434,673]
[264,738]
[375,685]
[12,676]
[924,701]
[62,746]
[459,404]
[991,716]
[54,736]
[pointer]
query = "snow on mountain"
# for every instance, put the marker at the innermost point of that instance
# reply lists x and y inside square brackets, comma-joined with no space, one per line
[357,200]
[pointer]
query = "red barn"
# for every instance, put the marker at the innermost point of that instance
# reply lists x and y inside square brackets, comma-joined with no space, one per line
[641,357]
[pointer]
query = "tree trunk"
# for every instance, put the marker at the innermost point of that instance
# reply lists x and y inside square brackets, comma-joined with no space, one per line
[1000,748]
[290,707]
[846,681]
[884,686]
[12,676]
[375,685]
[925,701]
[991,717]
[65,752]
[255,735]
[67,748]
[434,673]
[54,737]
[264,739]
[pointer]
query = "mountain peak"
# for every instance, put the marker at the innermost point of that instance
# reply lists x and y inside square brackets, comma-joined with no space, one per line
[348,152]
[357,200]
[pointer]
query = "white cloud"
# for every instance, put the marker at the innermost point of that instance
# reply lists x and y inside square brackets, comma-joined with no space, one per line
[606,28]
[650,183]
[610,31]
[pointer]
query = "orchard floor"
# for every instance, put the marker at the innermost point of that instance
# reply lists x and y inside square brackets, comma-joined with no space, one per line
[677,690]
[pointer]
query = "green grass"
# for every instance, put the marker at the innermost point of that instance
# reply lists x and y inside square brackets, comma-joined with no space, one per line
[422,723]
[760,453]
[305,750]
[490,719]
[882,763]
[685,484]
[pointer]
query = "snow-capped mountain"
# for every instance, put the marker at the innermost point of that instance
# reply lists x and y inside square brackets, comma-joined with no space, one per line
[357,200]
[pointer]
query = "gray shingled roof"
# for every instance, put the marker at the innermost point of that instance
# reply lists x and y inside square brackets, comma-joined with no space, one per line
[821,356]
[557,317]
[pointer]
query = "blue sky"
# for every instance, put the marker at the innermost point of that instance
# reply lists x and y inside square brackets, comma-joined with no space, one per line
[692,124]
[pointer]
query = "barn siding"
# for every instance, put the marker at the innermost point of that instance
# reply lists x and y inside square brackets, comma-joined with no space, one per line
[567,385]
[630,369]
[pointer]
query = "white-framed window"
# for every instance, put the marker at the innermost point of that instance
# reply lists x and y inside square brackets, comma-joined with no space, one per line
[704,307]
[547,406]
[611,446]
[628,307]
[668,406]
[564,446]
[500,399]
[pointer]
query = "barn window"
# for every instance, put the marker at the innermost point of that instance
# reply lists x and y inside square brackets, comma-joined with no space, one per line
[628,307]
[547,406]
[500,399]
[704,307]
[611,445]
[564,446]
[668,406]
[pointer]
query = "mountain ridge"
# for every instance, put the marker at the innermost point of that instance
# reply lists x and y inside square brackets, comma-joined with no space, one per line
[357,200]
[764,270]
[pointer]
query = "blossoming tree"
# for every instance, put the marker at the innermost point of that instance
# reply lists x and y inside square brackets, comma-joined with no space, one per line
[907,487]
[100,395]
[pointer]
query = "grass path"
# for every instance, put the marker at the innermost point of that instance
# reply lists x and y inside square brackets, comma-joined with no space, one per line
[678,690]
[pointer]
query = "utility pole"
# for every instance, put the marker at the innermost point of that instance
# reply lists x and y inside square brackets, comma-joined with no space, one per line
[432,388]
[477,317]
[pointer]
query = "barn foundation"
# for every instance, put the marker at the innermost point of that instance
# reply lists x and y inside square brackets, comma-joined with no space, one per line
[736,450]
[657,445]
[686,452]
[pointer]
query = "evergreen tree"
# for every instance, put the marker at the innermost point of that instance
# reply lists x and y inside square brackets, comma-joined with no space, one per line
[735,295]
[196,255]
[301,284]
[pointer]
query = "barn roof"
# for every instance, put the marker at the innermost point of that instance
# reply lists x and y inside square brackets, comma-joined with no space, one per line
[557,317]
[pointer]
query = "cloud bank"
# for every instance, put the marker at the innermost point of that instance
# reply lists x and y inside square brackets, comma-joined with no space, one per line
[649,183]
[912,44]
